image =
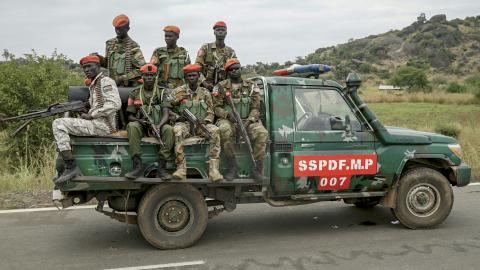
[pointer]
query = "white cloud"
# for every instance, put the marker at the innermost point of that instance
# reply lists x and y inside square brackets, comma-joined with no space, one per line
[266,31]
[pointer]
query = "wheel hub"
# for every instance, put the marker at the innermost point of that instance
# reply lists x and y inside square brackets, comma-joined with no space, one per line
[173,216]
[423,200]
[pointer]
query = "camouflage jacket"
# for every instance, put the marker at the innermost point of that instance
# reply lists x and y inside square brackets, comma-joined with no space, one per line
[170,63]
[199,102]
[104,100]
[246,97]
[122,62]
[212,60]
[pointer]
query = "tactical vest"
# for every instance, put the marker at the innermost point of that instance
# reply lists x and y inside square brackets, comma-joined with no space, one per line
[120,63]
[170,66]
[155,111]
[242,104]
[197,107]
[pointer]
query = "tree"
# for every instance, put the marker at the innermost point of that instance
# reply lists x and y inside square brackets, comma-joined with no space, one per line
[411,78]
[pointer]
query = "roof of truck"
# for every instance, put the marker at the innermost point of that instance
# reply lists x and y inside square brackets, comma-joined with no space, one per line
[282,80]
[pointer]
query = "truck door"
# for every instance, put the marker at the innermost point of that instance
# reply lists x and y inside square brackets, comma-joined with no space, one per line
[332,150]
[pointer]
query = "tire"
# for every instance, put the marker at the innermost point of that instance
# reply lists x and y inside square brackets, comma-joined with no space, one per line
[366,203]
[172,216]
[424,198]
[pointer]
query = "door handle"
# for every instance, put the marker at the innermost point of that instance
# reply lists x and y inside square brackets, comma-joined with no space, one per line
[307,145]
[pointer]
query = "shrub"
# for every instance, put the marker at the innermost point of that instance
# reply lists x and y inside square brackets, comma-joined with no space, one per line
[454,87]
[411,78]
[448,130]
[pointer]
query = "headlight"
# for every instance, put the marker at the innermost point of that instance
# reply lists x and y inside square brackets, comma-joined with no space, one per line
[456,149]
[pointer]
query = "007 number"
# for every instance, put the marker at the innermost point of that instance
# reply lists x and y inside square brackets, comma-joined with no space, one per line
[333,183]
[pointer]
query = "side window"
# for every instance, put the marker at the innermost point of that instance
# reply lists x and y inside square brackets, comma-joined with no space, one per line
[317,109]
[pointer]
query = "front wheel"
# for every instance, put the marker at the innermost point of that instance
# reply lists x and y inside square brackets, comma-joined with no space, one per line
[172,216]
[424,198]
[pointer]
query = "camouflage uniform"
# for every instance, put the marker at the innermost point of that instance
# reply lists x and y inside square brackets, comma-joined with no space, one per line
[246,96]
[212,60]
[104,104]
[123,58]
[200,104]
[170,63]
[152,100]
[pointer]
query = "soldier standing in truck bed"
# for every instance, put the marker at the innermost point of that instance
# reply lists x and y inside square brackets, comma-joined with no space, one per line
[198,101]
[246,97]
[212,56]
[170,59]
[123,57]
[99,121]
[150,97]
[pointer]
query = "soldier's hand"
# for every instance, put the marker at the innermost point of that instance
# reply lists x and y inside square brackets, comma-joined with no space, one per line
[86,116]
[120,80]
[158,127]
[143,122]
[207,85]
[247,123]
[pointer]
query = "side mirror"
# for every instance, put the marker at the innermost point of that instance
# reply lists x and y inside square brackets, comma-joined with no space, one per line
[337,123]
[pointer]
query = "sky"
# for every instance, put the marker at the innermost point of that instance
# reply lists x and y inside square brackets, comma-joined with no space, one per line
[259,31]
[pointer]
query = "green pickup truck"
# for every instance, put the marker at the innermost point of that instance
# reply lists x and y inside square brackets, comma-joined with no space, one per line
[325,145]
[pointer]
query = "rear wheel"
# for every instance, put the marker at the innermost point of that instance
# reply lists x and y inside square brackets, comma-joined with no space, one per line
[424,198]
[172,216]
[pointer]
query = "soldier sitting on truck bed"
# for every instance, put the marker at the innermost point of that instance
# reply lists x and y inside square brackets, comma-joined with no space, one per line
[189,100]
[99,121]
[149,97]
[170,59]
[123,57]
[246,97]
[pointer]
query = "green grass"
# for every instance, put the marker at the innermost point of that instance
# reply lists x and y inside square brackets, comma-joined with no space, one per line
[431,117]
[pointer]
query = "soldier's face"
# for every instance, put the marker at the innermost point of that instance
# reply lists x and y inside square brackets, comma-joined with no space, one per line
[122,31]
[148,79]
[220,32]
[91,69]
[171,38]
[192,78]
[235,71]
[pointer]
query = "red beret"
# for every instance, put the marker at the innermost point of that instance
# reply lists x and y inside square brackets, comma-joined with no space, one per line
[220,24]
[148,68]
[191,68]
[89,58]
[172,28]
[230,62]
[120,20]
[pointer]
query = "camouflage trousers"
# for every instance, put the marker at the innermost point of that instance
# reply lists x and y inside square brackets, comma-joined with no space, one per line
[256,132]
[63,127]
[135,133]
[182,131]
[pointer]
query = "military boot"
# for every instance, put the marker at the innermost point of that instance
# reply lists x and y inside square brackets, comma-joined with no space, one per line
[213,173]
[257,172]
[161,171]
[137,168]
[181,172]
[232,169]
[71,169]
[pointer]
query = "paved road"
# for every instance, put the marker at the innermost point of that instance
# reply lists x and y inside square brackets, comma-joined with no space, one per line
[256,236]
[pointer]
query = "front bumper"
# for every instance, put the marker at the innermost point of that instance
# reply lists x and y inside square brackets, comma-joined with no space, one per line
[463,174]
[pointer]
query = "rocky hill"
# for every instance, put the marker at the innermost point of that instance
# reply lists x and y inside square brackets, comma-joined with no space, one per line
[436,45]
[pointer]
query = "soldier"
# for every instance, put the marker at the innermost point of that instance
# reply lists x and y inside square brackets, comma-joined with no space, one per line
[171,59]
[212,56]
[99,121]
[198,101]
[150,97]
[123,57]
[246,96]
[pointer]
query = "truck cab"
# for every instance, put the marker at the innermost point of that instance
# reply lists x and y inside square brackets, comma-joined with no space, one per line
[325,144]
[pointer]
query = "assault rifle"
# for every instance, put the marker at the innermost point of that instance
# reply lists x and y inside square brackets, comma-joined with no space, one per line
[241,126]
[195,122]
[54,109]
[151,124]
